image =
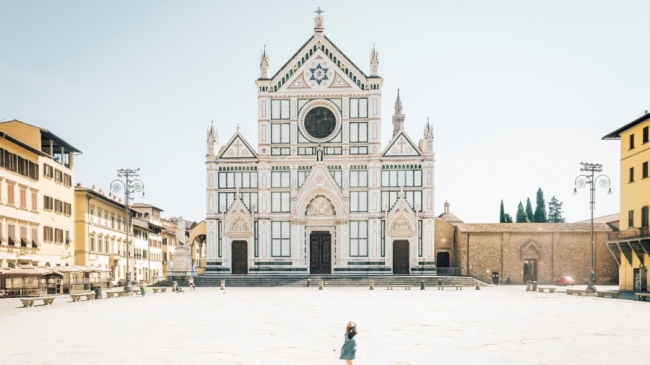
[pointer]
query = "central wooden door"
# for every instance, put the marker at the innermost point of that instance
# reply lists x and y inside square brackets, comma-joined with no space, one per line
[530,270]
[320,253]
[401,257]
[239,257]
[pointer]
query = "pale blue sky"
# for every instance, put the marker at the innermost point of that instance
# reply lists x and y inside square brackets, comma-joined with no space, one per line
[518,92]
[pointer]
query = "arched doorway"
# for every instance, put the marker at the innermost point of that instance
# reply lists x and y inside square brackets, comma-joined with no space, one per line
[401,257]
[530,270]
[239,257]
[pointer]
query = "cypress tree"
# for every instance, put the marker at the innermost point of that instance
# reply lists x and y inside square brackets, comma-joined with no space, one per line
[521,214]
[502,216]
[529,211]
[507,218]
[540,208]
[555,211]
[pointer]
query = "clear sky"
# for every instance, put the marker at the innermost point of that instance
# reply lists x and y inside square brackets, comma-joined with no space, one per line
[518,92]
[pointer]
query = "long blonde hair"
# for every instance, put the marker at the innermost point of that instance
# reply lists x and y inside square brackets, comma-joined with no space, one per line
[349,327]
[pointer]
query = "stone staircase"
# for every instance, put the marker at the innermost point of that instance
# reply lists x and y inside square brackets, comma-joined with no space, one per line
[302,281]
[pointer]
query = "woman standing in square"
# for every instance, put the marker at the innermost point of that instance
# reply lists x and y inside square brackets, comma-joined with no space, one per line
[349,348]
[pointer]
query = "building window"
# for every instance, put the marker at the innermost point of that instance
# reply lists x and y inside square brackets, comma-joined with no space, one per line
[630,218]
[280,133]
[58,206]
[280,151]
[358,107]
[360,150]
[17,164]
[280,109]
[226,200]
[303,172]
[48,171]
[280,202]
[358,238]
[67,209]
[58,235]
[401,177]
[58,175]
[35,243]
[112,220]
[280,179]
[413,198]
[337,175]
[34,200]
[48,203]
[358,178]
[280,239]
[232,180]
[11,234]
[48,234]
[631,174]
[644,217]
[631,141]
[645,135]
[645,169]
[358,132]
[67,238]
[219,238]
[10,194]
[67,180]
[23,198]
[23,236]
[358,201]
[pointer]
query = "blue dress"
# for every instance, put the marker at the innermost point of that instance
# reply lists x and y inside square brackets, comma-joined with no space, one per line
[349,348]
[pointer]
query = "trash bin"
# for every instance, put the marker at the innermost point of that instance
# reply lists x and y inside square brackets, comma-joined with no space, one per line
[98,292]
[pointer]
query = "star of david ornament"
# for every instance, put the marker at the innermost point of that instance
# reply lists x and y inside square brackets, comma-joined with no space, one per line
[318,74]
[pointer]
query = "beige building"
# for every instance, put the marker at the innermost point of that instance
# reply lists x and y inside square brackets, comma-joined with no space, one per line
[168,244]
[148,245]
[517,252]
[36,196]
[100,231]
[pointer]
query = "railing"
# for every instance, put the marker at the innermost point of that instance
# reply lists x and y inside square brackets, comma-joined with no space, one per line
[448,271]
[629,233]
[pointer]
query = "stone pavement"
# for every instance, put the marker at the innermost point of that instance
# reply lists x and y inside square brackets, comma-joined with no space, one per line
[496,325]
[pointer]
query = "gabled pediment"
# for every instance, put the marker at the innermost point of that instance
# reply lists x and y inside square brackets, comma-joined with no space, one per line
[319,64]
[238,147]
[319,182]
[401,145]
[401,218]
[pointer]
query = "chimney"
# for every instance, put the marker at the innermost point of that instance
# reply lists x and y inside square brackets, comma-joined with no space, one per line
[78,185]
[93,187]
[101,191]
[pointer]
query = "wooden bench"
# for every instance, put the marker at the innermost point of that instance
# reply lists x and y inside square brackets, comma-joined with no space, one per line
[550,289]
[29,302]
[406,287]
[604,293]
[111,293]
[576,291]
[77,297]
[642,296]
[156,290]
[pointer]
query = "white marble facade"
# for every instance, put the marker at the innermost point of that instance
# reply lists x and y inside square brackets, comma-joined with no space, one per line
[319,194]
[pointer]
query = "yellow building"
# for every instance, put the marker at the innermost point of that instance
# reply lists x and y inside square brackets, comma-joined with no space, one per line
[100,231]
[36,196]
[149,255]
[631,245]
[169,244]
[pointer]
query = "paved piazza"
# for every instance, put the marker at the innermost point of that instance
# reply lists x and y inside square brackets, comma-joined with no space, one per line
[496,325]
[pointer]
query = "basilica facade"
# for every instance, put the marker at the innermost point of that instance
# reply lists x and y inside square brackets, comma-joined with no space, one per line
[320,194]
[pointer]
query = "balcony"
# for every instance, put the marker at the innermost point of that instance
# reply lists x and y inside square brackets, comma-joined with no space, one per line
[114,257]
[629,233]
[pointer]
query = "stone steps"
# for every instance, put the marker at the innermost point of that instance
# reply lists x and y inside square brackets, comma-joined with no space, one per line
[301,281]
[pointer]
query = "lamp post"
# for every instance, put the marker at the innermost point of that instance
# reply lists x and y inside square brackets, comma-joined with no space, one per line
[130,186]
[589,177]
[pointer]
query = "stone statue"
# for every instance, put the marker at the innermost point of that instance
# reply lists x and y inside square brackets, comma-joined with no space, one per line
[180,231]
[318,20]
[320,207]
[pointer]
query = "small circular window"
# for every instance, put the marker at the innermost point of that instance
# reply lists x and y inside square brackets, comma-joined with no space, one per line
[320,122]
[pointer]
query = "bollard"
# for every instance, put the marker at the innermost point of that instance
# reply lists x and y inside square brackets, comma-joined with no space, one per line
[372,285]
[422,285]
[174,285]
[534,288]
[223,285]
[478,287]
[308,283]
[320,284]
[528,285]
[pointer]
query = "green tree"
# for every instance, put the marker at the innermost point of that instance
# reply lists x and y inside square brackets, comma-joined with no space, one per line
[529,210]
[521,214]
[540,208]
[555,211]
[507,218]
[502,216]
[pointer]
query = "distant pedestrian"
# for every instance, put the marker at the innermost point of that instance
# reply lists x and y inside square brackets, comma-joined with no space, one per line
[349,348]
[143,288]
[192,286]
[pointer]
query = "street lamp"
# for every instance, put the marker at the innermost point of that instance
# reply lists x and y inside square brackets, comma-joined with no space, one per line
[581,181]
[130,186]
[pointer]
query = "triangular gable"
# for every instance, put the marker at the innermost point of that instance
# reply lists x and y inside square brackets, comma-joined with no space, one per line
[237,147]
[339,82]
[319,179]
[400,146]
[319,50]
[319,72]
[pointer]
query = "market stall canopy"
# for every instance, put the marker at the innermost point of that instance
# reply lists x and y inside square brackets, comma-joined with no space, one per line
[28,271]
[76,268]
